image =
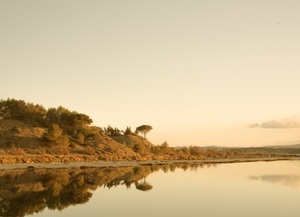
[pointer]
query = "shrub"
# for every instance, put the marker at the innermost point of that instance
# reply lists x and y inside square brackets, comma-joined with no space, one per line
[55,136]
[110,131]
[63,140]
[128,131]
[162,149]
[80,138]
[196,151]
[16,129]
[88,151]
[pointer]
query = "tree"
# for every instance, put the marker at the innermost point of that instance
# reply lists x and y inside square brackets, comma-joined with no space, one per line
[128,131]
[52,116]
[110,131]
[22,111]
[144,129]
[55,136]
[36,113]
[14,109]
[70,121]
[143,186]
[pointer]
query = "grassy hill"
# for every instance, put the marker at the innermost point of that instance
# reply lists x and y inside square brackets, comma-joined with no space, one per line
[135,142]
[22,139]
[29,133]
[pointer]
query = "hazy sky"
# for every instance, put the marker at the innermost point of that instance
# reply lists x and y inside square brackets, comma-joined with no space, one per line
[201,72]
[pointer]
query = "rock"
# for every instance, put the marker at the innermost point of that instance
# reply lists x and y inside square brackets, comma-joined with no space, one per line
[30,168]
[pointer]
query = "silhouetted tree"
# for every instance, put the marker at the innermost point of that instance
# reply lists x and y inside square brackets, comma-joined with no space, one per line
[128,131]
[143,129]
[143,186]
[110,131]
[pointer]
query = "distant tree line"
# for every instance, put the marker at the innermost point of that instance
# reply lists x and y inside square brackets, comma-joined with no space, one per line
[114,131]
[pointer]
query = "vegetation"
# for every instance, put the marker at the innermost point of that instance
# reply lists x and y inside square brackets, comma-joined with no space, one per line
[29,130]
[110,131]
[60,188]
[55,136]
[20,110]
[128,131]
[144,129]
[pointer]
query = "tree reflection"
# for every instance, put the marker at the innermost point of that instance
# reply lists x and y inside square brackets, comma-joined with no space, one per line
[26,192]
[143,185]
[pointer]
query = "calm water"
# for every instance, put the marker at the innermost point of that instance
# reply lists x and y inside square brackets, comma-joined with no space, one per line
[240,189]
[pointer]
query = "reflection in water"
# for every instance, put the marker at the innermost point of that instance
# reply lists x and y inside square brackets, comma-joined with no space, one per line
[143,186]
[27,192]
[286,180]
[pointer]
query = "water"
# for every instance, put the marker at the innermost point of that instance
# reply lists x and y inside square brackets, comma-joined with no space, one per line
[238,189]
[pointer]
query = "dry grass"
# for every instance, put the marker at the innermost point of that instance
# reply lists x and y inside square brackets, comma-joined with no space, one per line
[38,151]
[88,150]
[16,151]
[58,150]
[8,124]
[2,152]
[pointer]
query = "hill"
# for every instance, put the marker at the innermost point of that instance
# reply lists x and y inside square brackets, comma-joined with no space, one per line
[285,146]
[26,140]
[135,142]
[30,133]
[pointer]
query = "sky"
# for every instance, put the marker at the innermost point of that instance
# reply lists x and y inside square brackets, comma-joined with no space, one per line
[200,72]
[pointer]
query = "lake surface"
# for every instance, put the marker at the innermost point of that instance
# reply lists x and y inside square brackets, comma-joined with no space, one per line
[237,189]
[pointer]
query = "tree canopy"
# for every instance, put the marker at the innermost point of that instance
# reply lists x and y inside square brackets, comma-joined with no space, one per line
[20,110]
[144,129]
[70,122]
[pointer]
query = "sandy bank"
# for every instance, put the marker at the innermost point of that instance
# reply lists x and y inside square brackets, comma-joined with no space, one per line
[135,163]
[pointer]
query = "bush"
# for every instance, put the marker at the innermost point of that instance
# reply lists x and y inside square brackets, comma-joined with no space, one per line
[128,131]
[63,140]
[88,151]
[110,131]
[196,151]
[55,136]
[16,129]
[80,138]
[162,149]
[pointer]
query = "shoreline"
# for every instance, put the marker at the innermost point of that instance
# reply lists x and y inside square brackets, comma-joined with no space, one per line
[134,163]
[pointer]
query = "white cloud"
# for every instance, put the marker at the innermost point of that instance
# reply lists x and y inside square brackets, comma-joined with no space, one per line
[254,125]
[292,122]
